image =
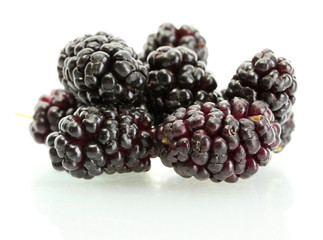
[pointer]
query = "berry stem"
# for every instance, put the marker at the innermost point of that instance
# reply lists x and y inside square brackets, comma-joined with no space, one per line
[23,115]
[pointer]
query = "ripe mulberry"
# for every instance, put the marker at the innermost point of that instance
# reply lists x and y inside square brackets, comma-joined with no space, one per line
[221,142]
[97,139]
[101,69]
[49,111]
[177,79]
[269,79]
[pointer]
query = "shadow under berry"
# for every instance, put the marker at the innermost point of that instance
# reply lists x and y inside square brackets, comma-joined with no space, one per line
[158,204]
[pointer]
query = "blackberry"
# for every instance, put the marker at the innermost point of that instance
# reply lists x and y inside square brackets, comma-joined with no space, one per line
[221,142]
[49,110]
[177,79]
[101,69]
[169,35]
[97,139]
[269,79]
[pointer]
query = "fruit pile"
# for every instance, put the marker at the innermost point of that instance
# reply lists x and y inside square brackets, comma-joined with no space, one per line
[118,110]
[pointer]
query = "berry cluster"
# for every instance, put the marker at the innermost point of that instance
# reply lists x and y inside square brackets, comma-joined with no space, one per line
[118,110]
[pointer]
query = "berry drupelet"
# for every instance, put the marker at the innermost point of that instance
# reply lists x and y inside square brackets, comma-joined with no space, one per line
[169,35]
[221,142]
[49,111]
[101,69]
[177,79]
[97,139]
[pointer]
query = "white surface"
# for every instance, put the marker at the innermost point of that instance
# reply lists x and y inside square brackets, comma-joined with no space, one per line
[282,201]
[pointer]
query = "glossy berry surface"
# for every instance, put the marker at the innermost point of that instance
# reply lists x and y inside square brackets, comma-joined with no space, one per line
[97,139]
[169,35]
[49,110]
[101,69]
[177,79]
[222,142]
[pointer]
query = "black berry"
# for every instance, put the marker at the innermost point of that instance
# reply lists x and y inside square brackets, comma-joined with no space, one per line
[101,69]
[221,142]
[177,79]
[97,139]
[269,79]
[49,110]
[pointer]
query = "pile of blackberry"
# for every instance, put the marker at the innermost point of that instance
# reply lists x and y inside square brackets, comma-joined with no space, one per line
[119,109]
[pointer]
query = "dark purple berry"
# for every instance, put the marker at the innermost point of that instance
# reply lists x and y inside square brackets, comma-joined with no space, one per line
[177,79]
[97,139]
[271,80]
[49,111]
[101,69]
[222,141]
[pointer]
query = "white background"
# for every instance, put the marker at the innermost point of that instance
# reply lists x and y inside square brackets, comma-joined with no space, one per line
[282,201]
